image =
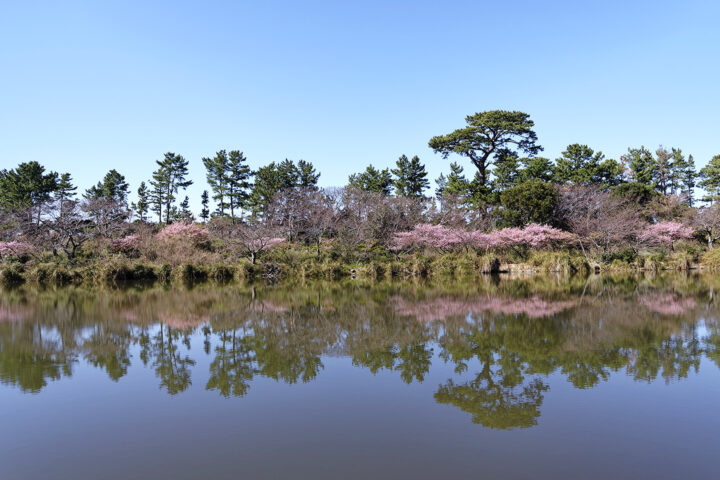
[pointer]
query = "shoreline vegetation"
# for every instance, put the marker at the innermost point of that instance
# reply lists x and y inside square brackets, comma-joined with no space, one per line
[579,214]
[291,265]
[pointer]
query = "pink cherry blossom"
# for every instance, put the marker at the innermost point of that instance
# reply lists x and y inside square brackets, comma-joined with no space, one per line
[14,249]
[446,238]
[665,233]
[426,235]
[532,235]
[126,244]
[191,231]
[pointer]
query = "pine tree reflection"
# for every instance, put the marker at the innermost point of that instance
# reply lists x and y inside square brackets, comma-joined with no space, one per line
[171,366]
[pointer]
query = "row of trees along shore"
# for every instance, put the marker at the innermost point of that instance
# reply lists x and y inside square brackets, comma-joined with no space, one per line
[514,202]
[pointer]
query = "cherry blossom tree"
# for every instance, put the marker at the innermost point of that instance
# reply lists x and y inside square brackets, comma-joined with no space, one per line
[532,235]
[14,249]
[196,234]
[426,235]
[665,233]
[446,238]
[129,244]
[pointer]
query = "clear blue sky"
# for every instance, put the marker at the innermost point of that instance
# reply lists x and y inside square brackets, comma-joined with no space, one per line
[89,86]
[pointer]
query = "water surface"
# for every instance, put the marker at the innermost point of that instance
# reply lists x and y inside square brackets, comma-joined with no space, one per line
[539,377]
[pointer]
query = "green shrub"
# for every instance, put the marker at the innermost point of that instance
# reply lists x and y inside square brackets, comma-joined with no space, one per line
[711,258]
[330,270]
[221,273]
[53,274]
[11,273]
[190,273]
[443,265]
[335,270]
[163,272]
[653,261]
[141,271]
[681,260]
[246,270]
[626,255]
[376,270]
[420,267]
[396,269]
[619,265]
[114,272]
[532,201]
[559,262]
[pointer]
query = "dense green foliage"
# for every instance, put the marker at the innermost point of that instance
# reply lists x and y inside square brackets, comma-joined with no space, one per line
[410,177]
[112,187]
[581,165]
[26,186]
[529,202]
[372,180]
[710,179]
[276,177]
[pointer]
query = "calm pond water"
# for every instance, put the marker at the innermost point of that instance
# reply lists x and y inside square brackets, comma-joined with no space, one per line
[539,377]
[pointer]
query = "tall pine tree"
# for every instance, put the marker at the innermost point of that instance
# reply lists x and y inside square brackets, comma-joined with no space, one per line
[641,164]
[238,181]
[143,202]
[581,165]
[454,184]
[185,214]
[682,174]
[689,178]
[65,190]
[205,202]
[308,176]
[410,177]
[217,177]
[167,180]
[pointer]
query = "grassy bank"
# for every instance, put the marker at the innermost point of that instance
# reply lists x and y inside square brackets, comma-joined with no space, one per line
[294,263]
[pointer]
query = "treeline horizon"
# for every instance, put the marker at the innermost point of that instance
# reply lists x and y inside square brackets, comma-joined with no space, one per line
[501,145]
[586,200]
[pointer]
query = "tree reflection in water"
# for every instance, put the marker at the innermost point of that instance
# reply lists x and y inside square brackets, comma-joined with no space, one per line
[503,337]
[162,351]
